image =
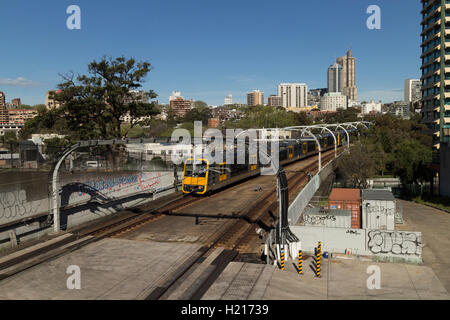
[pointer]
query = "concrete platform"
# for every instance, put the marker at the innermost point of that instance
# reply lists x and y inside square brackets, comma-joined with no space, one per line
[341,279]
[110,269]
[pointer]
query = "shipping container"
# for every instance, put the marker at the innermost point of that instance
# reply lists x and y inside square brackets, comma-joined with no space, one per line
[347,199]
[378,209]
[318,217]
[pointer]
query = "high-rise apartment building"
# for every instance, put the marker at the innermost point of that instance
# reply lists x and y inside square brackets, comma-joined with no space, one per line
[348,63]
[228,100]
[333,101]
[255,98]
[178,105]
[335,81]
[3,111]
[413,90]
[294,95]
[436,69]
[275,101]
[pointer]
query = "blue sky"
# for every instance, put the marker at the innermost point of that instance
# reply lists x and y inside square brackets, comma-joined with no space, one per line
[206,48]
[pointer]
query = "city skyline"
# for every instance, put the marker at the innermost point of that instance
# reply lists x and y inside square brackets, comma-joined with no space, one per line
[210,67]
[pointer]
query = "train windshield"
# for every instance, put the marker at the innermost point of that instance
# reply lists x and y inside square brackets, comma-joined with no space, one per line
[198,169]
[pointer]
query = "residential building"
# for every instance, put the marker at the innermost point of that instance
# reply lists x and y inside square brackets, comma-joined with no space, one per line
[275,101]
[371,107]
[334,78]
[294,95]
[400,109]
[16,103]
[436,69]
[180,106]
[3,111]
[348,63]
[413,90]
[255,98]
[332,101]
[228,99]
[136,96]
[20,116]
[213,122]
[51,103]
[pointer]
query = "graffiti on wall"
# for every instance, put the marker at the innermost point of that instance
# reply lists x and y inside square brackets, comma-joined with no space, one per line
[14,205]
[318,220]
[380,210]
[394,242]
[110,184]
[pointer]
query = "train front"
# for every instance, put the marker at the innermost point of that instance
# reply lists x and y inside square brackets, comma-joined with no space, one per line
[195,176]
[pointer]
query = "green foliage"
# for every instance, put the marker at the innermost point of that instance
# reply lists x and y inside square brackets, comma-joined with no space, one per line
[9,140]
[200,112]
[54,146]
[93,105]
[265,117]
[393,145]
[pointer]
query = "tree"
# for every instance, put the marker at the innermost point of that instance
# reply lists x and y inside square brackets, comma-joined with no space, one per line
[411,162]
[200,112]
[95,104]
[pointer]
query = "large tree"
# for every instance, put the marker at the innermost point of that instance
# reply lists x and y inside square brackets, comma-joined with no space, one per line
[95,104]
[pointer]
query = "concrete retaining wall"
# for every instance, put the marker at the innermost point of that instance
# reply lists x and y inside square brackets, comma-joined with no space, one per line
[385,245]
[301,201]
[82,198]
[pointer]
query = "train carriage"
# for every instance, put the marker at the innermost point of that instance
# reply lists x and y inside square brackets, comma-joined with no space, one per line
[201,177]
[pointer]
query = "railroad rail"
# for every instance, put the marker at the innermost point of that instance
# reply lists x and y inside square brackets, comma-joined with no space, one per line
[235,236]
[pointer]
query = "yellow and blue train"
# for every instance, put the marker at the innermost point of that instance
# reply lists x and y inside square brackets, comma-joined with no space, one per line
[203,177]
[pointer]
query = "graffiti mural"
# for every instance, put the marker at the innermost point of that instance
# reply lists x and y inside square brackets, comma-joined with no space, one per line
[398,243]
[14,205]
[316,220]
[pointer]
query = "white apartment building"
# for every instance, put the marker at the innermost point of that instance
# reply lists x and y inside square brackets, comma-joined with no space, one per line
[371,106]
[332,101]
[228,99]
[413,90]
[294,95]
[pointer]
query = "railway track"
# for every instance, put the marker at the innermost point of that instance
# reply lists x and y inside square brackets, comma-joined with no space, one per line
[233,239]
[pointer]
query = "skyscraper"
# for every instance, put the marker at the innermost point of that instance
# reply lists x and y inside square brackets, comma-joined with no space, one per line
[436,69]
[335,78]
[348,63]
[255,98]
[413,90]
[294,95]
[3,111]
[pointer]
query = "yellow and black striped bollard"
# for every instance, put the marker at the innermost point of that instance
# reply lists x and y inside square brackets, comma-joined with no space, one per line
[300,262]
[282,259]
[320,247]
[318,257]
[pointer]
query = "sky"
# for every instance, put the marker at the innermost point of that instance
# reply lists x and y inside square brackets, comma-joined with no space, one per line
[207,48]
